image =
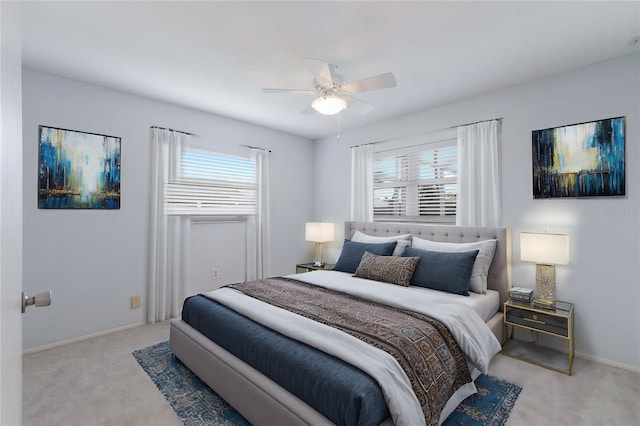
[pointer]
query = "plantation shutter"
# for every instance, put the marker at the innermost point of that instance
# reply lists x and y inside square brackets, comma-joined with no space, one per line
[212,184]
[416,183]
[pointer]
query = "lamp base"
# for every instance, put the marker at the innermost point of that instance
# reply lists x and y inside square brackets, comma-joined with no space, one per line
[545,291]
[318,261]
[543,303]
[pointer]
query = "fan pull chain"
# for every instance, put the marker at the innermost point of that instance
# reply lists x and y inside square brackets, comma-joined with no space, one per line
[338,135]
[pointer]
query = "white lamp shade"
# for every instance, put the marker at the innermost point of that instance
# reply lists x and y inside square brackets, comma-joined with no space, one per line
[318,232]
[328,105]
[544,248]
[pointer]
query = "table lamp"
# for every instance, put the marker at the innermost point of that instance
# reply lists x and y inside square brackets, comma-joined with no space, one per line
[318,232]
[547,250]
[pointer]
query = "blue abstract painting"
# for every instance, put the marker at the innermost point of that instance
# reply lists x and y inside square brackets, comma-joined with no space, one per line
[78,170]
[580,160]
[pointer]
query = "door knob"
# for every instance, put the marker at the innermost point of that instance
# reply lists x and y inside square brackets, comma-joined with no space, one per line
[40,299]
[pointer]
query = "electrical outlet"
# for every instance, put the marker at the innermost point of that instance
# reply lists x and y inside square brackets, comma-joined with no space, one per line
[214,274]
[135,302]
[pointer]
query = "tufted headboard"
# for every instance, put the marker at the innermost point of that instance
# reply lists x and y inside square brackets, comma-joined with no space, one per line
[499,278]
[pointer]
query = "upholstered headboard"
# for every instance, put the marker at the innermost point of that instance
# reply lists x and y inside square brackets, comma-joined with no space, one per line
[499,278]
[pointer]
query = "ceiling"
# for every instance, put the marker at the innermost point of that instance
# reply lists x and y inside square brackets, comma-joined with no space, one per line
[217,56]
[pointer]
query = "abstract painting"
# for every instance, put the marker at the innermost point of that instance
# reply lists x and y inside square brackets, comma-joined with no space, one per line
[580,160]
[78,170]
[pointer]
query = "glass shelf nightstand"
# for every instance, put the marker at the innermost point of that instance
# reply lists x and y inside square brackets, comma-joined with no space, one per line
[306,267]
[556,321]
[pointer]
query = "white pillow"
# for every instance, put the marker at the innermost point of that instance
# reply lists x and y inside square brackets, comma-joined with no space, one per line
[486,250]
[403,241]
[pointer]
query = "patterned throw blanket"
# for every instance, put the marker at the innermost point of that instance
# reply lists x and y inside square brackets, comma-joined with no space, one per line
[424,347]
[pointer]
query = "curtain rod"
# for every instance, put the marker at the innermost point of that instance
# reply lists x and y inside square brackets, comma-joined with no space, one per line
[425,133]
[173,130]
[257,147]
[476,122]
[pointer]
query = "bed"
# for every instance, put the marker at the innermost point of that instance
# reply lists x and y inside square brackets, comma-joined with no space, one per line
[263,401]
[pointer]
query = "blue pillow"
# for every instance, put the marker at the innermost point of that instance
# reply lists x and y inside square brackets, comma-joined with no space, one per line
[352,253]
[445,271]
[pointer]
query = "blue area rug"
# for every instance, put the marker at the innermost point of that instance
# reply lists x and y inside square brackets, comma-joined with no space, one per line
[196,404]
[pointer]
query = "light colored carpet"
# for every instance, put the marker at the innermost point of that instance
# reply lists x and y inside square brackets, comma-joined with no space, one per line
[95,382]
[595,395]
[98,382]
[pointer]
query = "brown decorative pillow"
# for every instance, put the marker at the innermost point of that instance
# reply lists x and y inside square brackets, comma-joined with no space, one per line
[390,269]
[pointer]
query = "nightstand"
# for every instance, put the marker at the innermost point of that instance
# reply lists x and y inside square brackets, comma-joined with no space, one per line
[556,321]
[306,267]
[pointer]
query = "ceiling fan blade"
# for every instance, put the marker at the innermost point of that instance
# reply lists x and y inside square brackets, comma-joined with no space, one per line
[295,91]
[358,105]
[323,72]
[377,82]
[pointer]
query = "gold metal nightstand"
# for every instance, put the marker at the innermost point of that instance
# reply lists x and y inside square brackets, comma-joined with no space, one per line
[306,267]
[556,321]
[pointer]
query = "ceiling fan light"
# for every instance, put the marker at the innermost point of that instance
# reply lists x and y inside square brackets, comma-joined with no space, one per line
[329,105]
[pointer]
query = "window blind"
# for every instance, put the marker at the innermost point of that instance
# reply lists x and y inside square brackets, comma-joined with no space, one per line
[416,183]
[212,184]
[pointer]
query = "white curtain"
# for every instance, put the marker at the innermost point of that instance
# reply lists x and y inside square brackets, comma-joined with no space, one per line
[362,183]
[479,175]
[258,226]
[168,235]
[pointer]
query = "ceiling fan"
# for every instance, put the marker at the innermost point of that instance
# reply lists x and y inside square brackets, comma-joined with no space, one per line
[333,93]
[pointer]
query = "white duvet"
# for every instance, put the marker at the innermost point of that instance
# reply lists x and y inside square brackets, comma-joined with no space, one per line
[470,332]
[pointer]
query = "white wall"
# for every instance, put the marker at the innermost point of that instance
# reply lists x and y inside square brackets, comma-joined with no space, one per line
[603,275]
[209,252]
[94,261]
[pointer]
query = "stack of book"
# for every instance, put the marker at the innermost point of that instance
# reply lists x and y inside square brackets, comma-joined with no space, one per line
[521,294]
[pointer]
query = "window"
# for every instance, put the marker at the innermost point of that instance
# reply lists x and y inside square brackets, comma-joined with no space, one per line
[416,183]
[212,184]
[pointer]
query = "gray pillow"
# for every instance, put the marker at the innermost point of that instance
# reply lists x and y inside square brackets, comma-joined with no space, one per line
[389,269]
[445,271]
[352,254]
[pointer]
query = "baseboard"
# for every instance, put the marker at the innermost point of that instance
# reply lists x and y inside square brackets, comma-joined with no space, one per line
[81,338]
[608,362]
[552,343]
